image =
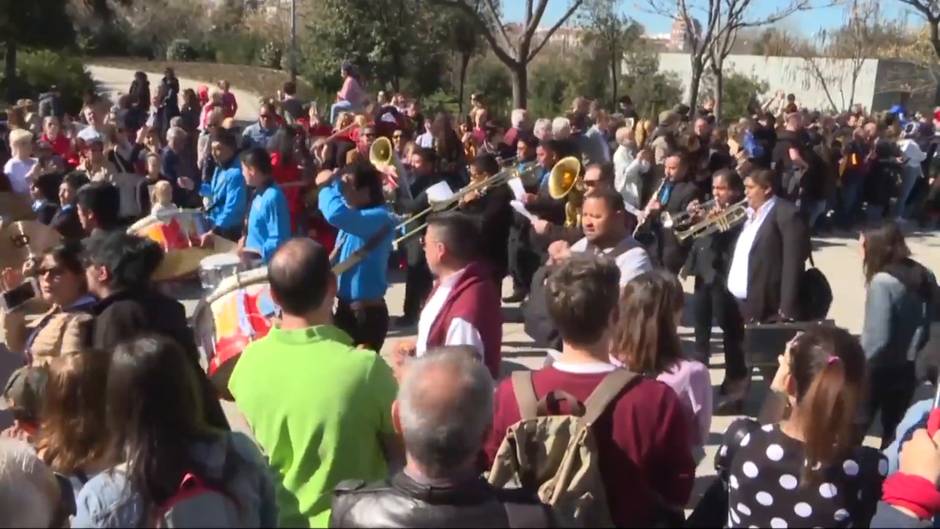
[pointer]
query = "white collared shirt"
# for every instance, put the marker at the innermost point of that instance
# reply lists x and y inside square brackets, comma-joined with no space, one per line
[630,257]
[459,332]
[737,275]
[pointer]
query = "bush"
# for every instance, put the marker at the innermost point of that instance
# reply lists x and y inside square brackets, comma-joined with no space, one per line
[270,55]
[37,71]
[232,48]
[489,77]
[180,50]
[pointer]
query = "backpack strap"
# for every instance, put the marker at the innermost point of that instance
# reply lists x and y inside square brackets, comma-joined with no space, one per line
[525,395]
[604,393]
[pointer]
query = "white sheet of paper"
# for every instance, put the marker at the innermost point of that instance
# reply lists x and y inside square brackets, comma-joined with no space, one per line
[439,192]
[518,190]
[520,207]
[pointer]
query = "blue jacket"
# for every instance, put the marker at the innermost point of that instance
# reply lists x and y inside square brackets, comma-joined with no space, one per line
[367,280]
[257,136]
[268,222]
[227,195]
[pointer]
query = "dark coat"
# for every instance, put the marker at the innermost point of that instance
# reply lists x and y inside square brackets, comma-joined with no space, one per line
[710,257]
[672,253]
[126,315]
[776,264]
[65,221]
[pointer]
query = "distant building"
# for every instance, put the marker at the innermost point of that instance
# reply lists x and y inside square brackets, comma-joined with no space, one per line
[680,38]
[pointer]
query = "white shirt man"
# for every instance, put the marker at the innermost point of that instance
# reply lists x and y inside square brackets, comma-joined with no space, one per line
[738,274]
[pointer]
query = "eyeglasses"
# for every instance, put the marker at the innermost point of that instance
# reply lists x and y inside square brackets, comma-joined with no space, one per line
[55,271]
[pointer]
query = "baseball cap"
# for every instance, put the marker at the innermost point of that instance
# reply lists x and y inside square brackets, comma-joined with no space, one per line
[23,391]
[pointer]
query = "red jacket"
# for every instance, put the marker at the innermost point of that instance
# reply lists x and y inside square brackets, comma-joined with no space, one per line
[473,299]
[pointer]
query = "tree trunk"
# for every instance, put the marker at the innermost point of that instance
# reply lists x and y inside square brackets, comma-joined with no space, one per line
[464,64]
[719,93]
[10,70]
[613,82]
[697,68]
[520,84]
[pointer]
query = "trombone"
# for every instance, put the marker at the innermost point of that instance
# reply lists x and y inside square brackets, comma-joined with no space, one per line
[495,180]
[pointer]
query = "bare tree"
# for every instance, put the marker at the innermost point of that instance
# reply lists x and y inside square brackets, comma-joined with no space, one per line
[930,11]
[841,54]
[515,49]
[610,33]
[711,40]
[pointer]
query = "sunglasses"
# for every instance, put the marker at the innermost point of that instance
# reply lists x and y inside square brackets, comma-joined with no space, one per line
[55,271]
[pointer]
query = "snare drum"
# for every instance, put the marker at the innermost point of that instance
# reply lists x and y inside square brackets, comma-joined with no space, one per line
[213,269]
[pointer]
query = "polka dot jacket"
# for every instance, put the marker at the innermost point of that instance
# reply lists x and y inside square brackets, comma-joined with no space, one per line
[766,487]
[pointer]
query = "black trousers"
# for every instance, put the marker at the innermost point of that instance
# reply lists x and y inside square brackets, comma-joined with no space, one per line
[366,325]
[713,301]
[418,284]
[523,259]
[890,389]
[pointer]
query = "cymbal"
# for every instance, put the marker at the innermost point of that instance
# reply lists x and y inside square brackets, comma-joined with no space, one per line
[24,239]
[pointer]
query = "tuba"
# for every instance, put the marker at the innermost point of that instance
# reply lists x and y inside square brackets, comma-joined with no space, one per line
[565,180]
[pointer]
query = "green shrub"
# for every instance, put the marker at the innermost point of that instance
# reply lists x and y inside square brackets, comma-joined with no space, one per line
[232,48]
[270,55]
[180,50]
[37,71]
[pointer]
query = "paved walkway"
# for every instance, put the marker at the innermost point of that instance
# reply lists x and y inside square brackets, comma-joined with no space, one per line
[112,82]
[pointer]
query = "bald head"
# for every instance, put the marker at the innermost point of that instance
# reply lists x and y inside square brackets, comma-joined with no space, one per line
[300,276]
[445,405]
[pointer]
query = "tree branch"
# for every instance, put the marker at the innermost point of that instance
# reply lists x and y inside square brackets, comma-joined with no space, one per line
[575,4]
[498,24]
[483,26]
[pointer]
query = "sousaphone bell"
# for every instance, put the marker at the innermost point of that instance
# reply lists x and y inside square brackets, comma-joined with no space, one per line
[564,180]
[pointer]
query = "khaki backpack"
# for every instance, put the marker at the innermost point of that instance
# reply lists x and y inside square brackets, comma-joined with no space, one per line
[556,455]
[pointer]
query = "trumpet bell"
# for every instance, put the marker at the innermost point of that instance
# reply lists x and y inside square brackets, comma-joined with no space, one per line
[380,152]
[564,177]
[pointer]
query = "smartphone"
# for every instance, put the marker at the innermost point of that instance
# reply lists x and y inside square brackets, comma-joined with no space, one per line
[14,298]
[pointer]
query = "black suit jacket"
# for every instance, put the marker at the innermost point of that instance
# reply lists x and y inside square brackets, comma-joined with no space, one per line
[672,253]
[417,203]
[776,264]
[710,256]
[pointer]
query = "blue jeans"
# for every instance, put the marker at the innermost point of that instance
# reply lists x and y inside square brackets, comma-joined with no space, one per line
[909,177]
[339,106]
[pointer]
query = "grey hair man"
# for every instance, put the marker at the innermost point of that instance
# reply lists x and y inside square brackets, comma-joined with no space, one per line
[444,410]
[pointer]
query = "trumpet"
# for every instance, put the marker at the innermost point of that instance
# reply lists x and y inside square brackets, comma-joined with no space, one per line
[482,186]
[714,220]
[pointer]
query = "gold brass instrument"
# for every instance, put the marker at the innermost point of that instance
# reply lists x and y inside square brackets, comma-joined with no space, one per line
[565,179]
[381,153]
[482,186]
[714,221]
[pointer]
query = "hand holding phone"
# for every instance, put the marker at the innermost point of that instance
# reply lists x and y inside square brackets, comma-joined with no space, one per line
[14,298]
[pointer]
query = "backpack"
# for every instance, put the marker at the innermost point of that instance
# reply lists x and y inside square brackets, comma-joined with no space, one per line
[197,505]
[556,455]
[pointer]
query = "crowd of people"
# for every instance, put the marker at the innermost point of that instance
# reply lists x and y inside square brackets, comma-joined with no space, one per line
[593,216]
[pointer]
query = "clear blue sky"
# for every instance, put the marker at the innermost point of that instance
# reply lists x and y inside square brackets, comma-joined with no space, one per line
[806,22]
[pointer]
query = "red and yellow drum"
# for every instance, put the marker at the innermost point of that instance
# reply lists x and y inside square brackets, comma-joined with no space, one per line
[179,234]
[237,313]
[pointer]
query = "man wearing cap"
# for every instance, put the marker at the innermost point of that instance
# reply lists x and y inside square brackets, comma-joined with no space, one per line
[22,398]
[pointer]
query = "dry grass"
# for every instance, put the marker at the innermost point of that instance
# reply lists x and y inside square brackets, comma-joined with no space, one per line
[256,79]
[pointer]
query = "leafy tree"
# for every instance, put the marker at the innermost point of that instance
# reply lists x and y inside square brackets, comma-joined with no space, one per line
[550,86]
[33,23]
[388,40]
[608,34]
[739,89]
[652,91]
[490,79]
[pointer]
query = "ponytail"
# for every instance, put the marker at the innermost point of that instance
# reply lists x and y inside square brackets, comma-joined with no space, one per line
[828,366]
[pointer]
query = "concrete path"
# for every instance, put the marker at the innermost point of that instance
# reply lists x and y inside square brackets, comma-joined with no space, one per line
[113,82]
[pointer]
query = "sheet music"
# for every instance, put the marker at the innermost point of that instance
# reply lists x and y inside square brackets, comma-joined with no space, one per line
[439,192]
[520,207]
[518,190]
